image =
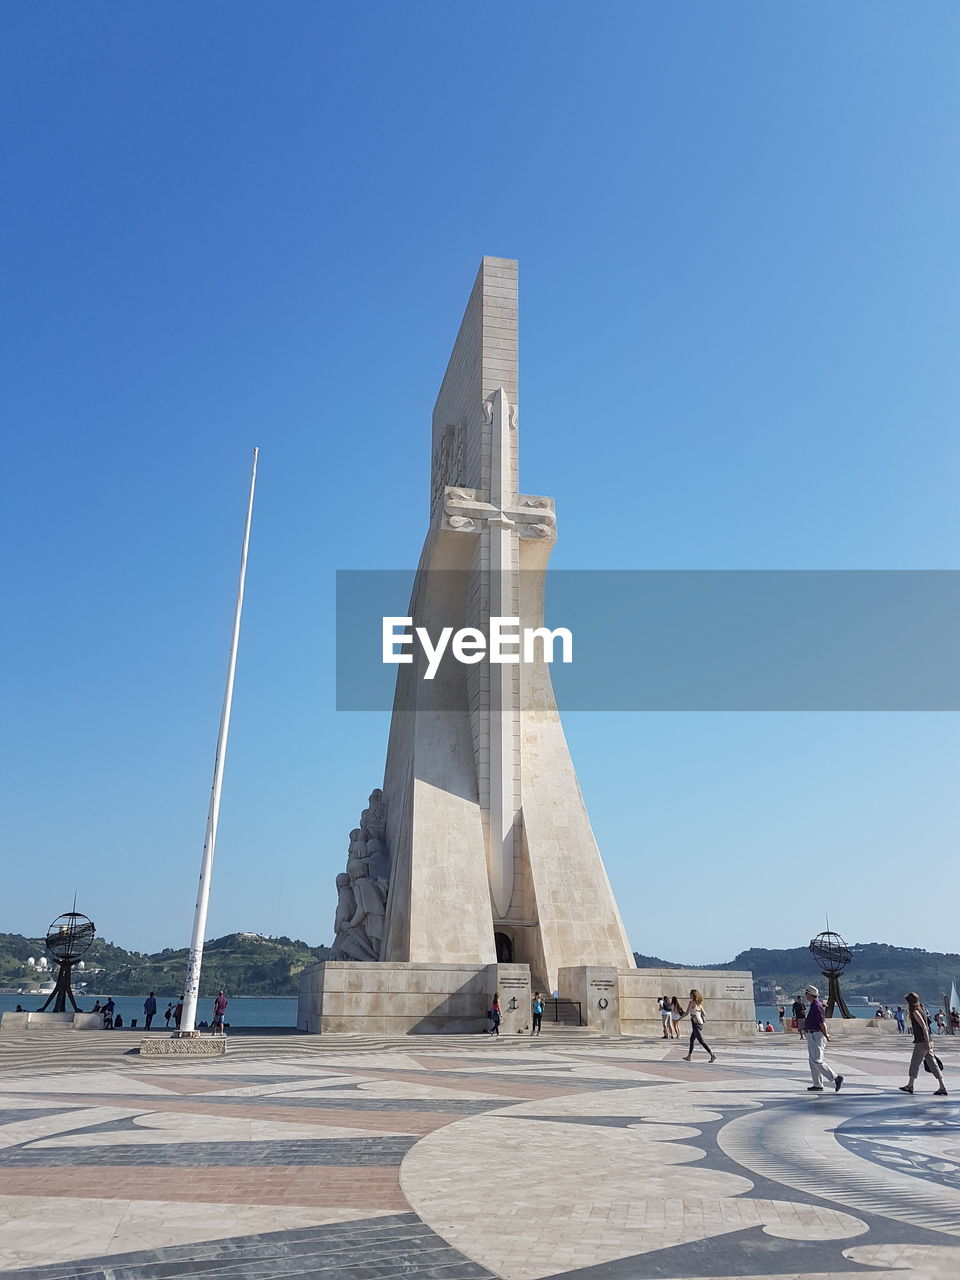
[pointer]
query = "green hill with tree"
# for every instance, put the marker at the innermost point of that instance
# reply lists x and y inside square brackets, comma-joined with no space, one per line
[243,963]
[878,970]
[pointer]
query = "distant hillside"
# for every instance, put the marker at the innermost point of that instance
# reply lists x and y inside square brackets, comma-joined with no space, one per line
[882,972]
[242,963]
[251,965]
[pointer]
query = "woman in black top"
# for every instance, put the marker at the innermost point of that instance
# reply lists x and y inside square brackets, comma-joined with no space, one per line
[923,1054]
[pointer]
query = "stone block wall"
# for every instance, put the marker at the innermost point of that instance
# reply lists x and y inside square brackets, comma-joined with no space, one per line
[400,999]
[727,999]
[597,990]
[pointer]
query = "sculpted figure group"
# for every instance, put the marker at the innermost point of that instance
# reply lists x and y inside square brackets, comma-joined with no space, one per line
[362,889]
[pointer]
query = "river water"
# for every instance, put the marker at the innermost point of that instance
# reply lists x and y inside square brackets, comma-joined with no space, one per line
[242,1011]
[264,1011]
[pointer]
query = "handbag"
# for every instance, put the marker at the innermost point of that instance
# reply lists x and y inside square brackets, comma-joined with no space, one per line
[927,1066]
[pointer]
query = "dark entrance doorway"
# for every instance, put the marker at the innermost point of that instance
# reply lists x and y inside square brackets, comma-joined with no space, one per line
[504,946]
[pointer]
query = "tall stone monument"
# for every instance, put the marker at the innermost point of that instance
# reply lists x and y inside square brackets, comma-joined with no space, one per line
[475,867]
[493,854]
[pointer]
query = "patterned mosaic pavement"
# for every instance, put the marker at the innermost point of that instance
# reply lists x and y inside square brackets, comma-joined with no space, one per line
[436,1158]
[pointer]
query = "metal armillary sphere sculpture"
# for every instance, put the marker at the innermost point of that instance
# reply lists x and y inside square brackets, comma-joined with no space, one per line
[67,940]
[832,955]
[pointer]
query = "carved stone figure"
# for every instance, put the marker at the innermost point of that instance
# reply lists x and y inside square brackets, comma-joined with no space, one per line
[369,915]
[378,864]
[348,942]
[362,889]
[373,820]
[441,467]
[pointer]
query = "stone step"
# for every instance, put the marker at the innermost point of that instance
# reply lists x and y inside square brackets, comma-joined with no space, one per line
[563,1029]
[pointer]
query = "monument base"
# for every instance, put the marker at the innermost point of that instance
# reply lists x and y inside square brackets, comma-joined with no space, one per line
[184,1047]
[385,999]
[52,1021]
[624,1001]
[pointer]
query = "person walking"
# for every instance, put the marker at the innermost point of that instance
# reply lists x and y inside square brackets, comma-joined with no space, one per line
[815,1027]
[901,1020]
[149,1009]
[697,1019]
[665,1020]
[495,1014]
[923,1054]
[537,1013]
[168,1014]
[107,1013]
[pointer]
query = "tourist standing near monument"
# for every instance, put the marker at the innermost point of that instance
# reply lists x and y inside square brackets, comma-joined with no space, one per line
[799,1014]
[697,1018]
[537,1013]
[923,1054]
[815,1026]
[495,1014]
[149,1009]
[667,1022]
[219,1009]
[676,1013]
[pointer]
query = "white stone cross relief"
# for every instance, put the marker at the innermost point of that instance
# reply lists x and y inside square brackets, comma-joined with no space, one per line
[500,521]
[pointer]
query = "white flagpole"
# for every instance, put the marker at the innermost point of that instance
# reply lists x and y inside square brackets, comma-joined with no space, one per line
[192,988]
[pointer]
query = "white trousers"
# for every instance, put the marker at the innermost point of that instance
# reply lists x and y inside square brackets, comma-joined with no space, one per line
[816,1044]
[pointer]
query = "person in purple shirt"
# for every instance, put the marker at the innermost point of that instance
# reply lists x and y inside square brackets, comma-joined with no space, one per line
[815,1027]
[219,1009]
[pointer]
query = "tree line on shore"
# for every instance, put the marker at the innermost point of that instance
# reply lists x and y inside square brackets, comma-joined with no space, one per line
[253,965]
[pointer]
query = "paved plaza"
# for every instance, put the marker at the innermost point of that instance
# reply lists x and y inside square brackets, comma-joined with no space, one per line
[458,1158]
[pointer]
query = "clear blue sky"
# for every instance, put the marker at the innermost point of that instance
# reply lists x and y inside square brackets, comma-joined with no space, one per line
[228,224]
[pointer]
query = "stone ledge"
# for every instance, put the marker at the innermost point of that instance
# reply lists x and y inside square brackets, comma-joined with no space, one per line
[31,1021]
[185,1047]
